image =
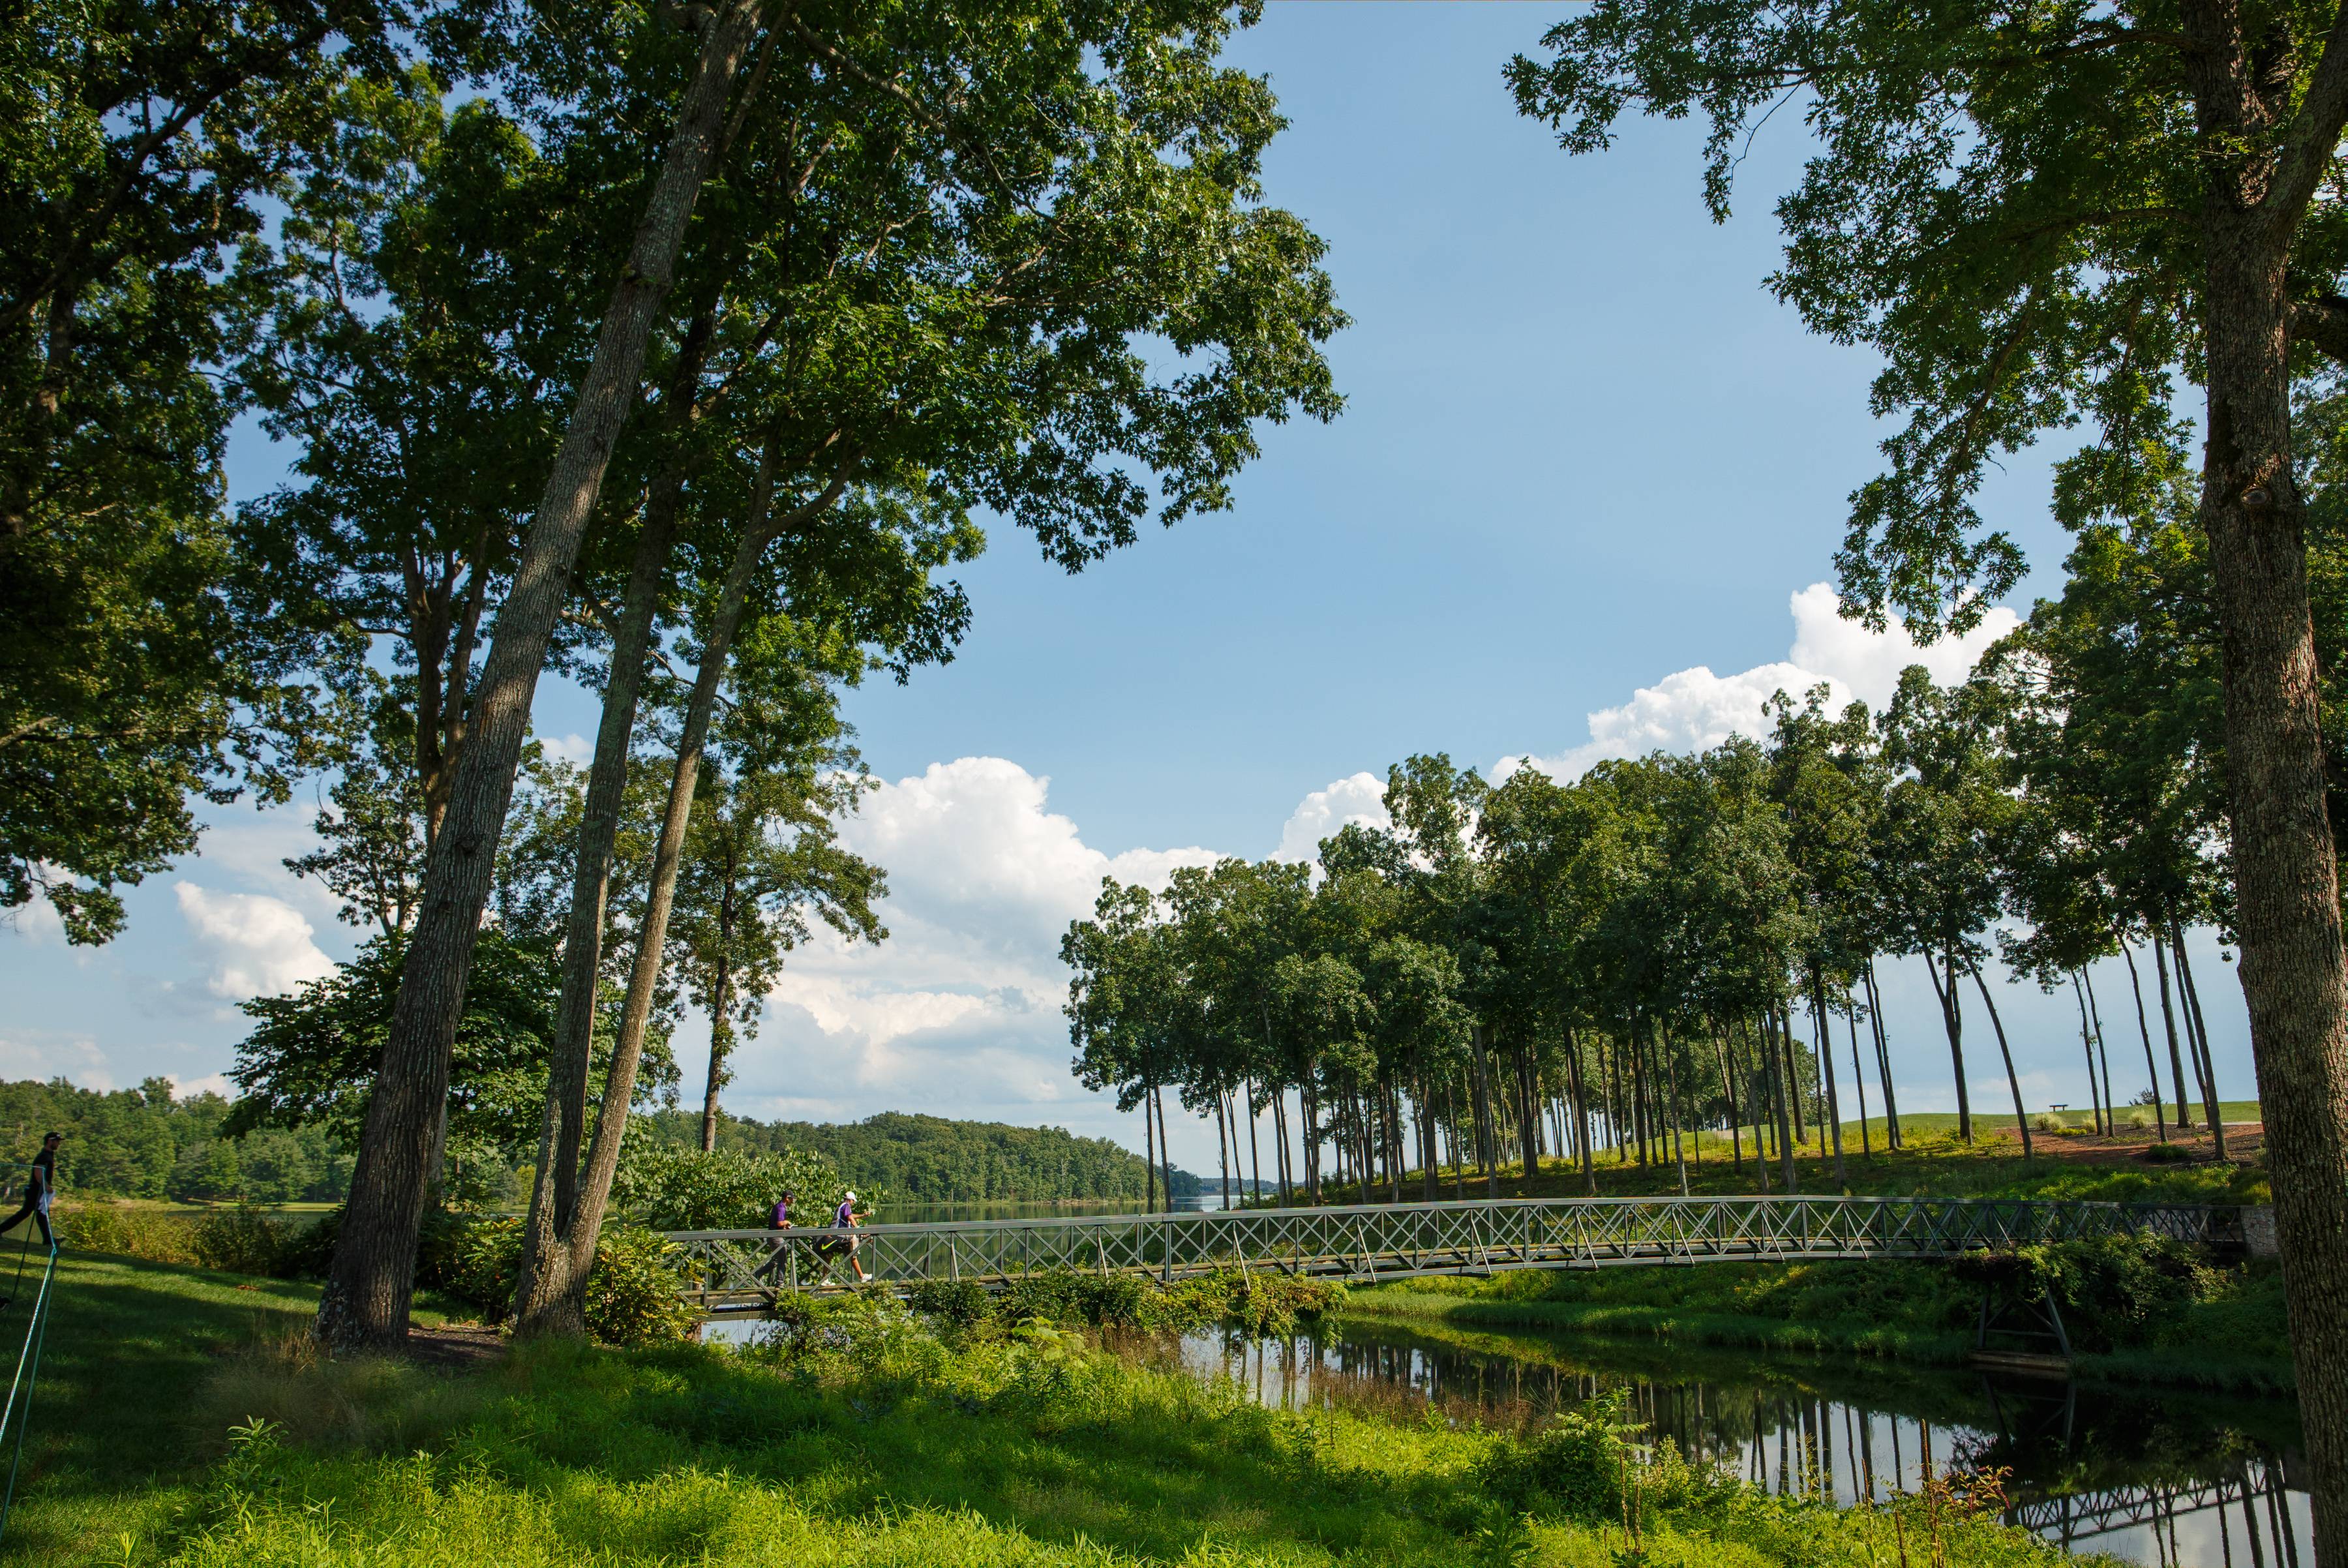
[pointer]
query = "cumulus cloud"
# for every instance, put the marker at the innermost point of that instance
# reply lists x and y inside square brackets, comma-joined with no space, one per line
[1359,800]
[254,945]
[1695,708]
[961,1006]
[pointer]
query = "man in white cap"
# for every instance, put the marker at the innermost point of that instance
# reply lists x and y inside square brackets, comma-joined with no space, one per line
[845,1218]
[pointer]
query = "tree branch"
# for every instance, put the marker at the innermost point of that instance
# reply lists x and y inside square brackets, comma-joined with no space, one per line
[2323,325]
[2314,135]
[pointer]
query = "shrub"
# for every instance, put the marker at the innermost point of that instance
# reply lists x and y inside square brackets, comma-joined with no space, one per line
[631,1295]
[2167,1154]
[155,1234]
[2136,1116]
[474,1259]
[960,1302]
[243,1240]
[1576,1466]
[2116,1292]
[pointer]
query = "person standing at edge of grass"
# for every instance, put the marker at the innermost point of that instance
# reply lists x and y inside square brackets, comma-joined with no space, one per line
[38,1186]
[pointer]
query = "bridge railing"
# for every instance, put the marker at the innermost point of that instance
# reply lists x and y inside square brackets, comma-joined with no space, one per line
[736,1272]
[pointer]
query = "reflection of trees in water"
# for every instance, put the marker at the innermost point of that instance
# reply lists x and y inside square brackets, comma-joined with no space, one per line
[2082,1463]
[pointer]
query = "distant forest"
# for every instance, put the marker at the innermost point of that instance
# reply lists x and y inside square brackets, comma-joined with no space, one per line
[931,1160]
[144,1143]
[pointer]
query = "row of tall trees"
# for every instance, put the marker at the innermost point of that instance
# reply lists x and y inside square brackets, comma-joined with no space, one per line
[676,349]
[1667,945]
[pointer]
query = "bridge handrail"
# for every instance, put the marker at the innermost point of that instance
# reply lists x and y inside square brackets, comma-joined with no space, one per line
[1219,1216]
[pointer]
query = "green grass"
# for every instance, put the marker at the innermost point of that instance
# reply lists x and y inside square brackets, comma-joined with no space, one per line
[868,1441]
[131,1350]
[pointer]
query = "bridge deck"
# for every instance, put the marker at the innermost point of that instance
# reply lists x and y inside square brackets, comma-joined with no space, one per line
[738,1272]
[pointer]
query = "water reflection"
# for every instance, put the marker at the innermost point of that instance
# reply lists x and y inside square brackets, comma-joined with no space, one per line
[2178,1480]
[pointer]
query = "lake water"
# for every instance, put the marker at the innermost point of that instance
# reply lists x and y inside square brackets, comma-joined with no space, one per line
[2177,1479]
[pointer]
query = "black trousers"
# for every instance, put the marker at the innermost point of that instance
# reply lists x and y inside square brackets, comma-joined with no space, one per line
[33,1207]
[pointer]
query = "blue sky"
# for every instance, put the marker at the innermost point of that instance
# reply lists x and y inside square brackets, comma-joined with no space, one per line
[1588,477]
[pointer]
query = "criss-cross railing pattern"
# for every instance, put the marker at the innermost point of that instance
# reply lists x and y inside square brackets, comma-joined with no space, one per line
[735,1273]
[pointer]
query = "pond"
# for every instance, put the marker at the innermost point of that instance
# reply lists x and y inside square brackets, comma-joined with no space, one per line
[2170,1478]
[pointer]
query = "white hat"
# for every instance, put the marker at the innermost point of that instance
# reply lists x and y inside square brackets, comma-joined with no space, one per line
[851,1195]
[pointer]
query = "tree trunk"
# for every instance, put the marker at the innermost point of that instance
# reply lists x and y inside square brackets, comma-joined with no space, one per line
[1148,1153]
[1581,1112]
[2021,1118]
[1952,1019]
[1165,1149]
[2168,1023]
[1782,1095]
[1882,1058]
[2286,881]
[1487,1153]
[554,1188]
[2144,1027]
[1671,1098]
[2204,1062]
[644,975]
[1728,1093]
[1858,1082]
[2103,1053]
[2088,1044]
[1826,1071]
[1527,1125]
[721,1046]
[366,1299]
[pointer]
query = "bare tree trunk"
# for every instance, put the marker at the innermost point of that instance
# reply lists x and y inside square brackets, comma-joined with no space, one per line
[1581,1112]
[1826,1070]
[2144,1027]
[2021,1118]
[1882,1058]
[1148,1153]
[2204,1063]
[2088,1044]
[721,1046]
[1858,1082]
[1486,1151]
[365,1300]
[2168,1023]
[2103,1053]
[1952,1019]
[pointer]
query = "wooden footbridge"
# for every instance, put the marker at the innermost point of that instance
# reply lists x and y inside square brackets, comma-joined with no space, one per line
[739,1273]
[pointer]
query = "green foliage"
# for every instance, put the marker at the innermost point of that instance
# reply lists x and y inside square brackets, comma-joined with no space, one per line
[669,1187]
[242,1241]
[146,1143]
[1263,1304]
[632,1293]
[156,1234]
[2121,1293]
[933,1159]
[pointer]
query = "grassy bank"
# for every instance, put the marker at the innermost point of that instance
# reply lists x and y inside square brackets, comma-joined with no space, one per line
[2141,1312]
[865,1435]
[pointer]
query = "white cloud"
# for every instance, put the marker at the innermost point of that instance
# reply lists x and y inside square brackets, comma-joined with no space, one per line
[961,1006]
[256,946]
[211,1083]
[1358,800]
[77,1057]
[1867,663]
[1694,708]
[574,749]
